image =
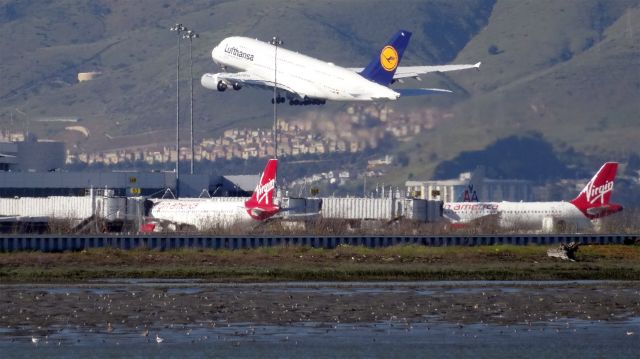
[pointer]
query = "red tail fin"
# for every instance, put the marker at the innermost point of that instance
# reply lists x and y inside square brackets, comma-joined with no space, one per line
[261,206]
[593,201]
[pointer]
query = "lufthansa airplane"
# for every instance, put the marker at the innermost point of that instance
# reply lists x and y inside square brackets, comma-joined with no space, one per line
[305,80]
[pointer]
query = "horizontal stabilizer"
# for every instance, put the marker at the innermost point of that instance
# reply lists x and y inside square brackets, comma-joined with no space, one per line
[421,92]
[602,211]
[263,210]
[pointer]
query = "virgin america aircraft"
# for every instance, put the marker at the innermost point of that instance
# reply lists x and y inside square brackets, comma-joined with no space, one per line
[591,203]
[304,80]
[202,213]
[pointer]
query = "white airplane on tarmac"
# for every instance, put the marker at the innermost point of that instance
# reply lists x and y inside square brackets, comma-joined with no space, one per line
[305,80]
[592,203]
[210,213]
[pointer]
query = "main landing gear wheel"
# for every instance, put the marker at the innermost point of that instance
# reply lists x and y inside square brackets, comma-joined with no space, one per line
[306,102]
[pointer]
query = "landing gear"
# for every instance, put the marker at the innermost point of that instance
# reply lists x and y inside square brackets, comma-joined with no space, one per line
[306,101]
[237,86]
[279,99]
[221,86]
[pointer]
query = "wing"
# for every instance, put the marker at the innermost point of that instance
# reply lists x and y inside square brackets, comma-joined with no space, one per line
[415,71]
[404,72]
[245,78]
[248,79]
[421,92]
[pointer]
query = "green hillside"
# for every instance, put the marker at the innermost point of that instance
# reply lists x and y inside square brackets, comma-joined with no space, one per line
[568,72]
[579,85]
[49,42]
[566,69]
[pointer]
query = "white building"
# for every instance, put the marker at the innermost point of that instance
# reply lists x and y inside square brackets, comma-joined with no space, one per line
[486,189]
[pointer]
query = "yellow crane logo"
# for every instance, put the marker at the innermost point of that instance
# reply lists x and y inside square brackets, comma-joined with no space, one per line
[389,58]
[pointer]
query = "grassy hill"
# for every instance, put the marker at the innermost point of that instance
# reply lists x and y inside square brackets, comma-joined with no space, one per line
[568,70]
[49,42]
[578,85]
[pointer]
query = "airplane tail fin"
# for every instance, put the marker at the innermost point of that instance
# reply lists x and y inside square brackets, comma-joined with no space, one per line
[384,64]
[593,200]
[261,204]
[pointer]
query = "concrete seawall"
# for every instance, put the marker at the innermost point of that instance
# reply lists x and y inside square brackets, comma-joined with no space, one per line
[61,243]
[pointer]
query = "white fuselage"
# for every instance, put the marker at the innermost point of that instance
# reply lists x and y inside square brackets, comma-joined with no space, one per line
[518,215]
[202,213]
[297,73]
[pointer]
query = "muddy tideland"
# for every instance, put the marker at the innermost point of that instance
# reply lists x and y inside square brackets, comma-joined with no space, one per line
[406,301]
[316,319]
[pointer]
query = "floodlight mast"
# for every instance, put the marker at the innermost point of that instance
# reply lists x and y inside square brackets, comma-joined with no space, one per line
[190,35]
[275,41]
[178,28]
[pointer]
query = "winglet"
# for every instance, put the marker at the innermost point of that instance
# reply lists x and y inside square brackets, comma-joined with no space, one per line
[477,66]
[385,62]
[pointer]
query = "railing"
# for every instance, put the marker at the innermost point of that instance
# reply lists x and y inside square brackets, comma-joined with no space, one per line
[61,243]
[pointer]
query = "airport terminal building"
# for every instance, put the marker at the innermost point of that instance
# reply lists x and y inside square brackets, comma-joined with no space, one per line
[31,168]
[34,189]
[471,186]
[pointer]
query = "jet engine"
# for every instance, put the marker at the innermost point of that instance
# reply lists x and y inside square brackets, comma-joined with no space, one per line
[213,82]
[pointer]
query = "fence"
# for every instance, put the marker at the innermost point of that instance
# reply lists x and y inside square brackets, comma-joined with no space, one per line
[60,243]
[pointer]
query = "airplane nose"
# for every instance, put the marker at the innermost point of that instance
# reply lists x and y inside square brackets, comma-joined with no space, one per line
[214,52]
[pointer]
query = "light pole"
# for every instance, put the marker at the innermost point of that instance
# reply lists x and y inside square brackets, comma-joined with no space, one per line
[178,28]
[275,42]
[190,35]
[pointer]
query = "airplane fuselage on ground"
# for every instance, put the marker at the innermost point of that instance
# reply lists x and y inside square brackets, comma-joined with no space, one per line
[201,213]
[592,202]
[518,215]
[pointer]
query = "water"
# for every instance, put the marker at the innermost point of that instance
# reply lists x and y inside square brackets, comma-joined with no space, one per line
[396,334]
[577,339]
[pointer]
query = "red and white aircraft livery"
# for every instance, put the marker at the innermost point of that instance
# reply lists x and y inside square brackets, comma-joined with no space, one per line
[217,212]
[591,203]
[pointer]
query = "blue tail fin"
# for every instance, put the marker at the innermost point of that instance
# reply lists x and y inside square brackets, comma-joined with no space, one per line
[384,64]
